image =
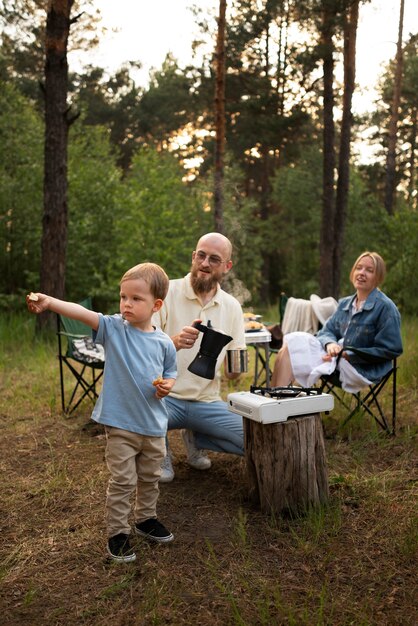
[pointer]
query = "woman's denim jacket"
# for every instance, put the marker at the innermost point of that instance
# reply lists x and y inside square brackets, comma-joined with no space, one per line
[372,336]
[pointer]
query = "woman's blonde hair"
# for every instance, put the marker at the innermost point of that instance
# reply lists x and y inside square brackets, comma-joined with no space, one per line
[153,275]
[379,266]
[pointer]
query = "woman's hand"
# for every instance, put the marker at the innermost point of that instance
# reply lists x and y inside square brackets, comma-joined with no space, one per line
[332,349]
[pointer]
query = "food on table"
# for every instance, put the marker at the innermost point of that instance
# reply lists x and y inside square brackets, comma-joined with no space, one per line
[252,325]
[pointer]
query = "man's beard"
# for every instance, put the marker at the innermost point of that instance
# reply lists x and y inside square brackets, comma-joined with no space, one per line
[202,285]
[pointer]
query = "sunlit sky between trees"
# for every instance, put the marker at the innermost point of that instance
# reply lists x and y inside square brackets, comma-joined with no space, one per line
[147,31]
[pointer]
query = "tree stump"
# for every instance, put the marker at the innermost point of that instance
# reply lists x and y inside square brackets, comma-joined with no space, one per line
[286,464]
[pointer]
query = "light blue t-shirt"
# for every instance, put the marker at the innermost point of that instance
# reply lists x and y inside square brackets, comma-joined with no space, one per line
[134,359]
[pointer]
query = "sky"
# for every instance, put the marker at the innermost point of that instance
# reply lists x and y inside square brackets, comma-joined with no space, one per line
[148,30]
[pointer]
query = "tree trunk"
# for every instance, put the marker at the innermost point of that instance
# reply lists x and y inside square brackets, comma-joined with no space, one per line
[413,141]
[282,56]
[264,289]
[220,119]
[350,34]
[393,122]
[286,465]
[327,220]
[265,195]
[55,218]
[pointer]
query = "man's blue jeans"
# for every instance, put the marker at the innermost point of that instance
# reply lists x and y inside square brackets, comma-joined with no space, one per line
[214,427]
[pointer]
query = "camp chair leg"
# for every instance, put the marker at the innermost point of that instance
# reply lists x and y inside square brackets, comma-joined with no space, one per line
[368,402]
[62,385]
[262,364]
[365,403]
[339,395]
[85,384]
[353,411]
[88,389]
[394,400]
[60,358]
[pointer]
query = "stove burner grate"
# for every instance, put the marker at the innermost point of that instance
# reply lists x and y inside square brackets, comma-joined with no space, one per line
[285,392]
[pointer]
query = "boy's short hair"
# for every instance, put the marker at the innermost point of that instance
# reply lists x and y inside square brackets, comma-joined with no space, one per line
[379,266]
[153,275]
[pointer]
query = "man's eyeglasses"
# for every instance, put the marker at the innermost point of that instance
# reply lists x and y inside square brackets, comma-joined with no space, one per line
[214,261]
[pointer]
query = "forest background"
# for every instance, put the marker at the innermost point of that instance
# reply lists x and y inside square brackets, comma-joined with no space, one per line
[141,159]
[141,166]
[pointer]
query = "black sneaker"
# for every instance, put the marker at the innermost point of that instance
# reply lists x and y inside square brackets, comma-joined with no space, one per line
[153,530]
[119,548]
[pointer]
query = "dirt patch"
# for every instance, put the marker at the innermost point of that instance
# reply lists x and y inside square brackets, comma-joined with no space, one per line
[352,563]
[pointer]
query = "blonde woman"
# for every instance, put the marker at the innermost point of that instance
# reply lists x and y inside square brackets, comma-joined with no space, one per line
[360,339]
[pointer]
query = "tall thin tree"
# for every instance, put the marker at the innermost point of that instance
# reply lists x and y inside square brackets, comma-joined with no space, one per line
[336,189]
[390,181]
[220,118]
[57,122]
[350,23]
[328,196]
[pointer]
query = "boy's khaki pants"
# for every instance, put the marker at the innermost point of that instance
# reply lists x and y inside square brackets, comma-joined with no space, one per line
[134,462]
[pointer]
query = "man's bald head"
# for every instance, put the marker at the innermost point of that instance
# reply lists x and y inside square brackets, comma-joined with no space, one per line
[218,240]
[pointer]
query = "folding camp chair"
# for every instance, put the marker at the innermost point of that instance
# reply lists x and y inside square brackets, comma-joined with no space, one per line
[84,360]
[367,400]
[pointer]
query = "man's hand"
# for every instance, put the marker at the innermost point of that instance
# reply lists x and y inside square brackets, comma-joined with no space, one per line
[186,337]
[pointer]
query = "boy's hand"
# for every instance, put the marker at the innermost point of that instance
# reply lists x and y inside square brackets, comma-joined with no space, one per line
[37,302]
[163,386]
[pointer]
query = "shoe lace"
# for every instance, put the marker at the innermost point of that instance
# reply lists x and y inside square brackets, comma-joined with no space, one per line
[197,454]
[166,464]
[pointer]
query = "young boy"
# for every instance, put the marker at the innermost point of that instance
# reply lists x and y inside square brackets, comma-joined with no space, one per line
[140,369]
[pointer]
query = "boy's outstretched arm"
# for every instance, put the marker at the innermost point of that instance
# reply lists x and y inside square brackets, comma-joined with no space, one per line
[40,302]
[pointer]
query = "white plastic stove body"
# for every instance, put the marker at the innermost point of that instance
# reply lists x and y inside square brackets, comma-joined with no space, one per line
[270,410]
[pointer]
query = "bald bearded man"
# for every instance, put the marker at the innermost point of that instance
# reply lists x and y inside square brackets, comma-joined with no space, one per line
[195,403]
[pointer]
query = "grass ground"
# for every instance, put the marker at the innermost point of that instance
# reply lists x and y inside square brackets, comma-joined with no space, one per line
[352,562]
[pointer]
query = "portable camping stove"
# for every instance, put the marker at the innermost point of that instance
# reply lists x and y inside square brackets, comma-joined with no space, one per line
[277,404]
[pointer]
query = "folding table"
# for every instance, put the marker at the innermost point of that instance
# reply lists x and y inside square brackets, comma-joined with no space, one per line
[260,341]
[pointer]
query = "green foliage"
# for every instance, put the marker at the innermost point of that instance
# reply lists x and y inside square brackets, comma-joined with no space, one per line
[20,190]
[406,126]
[162,217]
[167,104]
[401,255]
[365,227]
[22,27]
[111,102]
[244,232]
[297,191]
[95,204]
[273,180]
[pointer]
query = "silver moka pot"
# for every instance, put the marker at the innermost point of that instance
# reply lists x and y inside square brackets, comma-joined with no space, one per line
[204,363]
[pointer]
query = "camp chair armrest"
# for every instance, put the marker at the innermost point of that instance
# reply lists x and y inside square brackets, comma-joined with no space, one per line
[366,356]
[71,335]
